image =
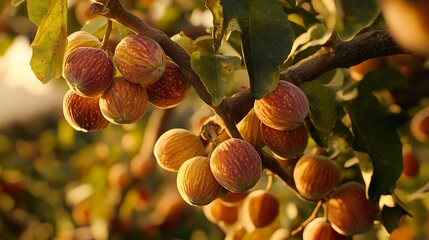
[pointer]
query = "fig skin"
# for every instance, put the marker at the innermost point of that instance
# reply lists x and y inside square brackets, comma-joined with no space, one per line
[140,59]
[250,129]
[262,208]
[236,165]
[124,102]
[88,71]
[83,113]
[285,108]
[196,183]
[320,229]
[170,90]
[81,39]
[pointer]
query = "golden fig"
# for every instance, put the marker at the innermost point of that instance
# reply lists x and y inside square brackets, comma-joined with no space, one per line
[196,183]
[176,146]
[284,108]
[250,129]
[261,207]
[236,165]
[316,176]
[81,39]
[217,212]
[83,113]
[123,102]
[320,229]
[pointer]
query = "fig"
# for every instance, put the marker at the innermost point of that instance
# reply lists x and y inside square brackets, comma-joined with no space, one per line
[83,113]
[170,90]
[357,72]
[123,102]
[410,161]
[196,183]
[88,71]
[286,143]
[316,176]
[232,199]
[217,212]
[81,39]
[261,207]
[140,59]
[175,146]
[349,211]
[250,129]
[419,125]
[284,108]
[236,165]
[319,229]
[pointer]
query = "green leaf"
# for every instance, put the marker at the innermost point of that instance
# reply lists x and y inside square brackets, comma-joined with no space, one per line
[328,10]
[50,42]
[37,10]
[215,71]
[185,42]
[390,217]
[357,15]
[386,78]
[323,113]
[374,136]
[319,137]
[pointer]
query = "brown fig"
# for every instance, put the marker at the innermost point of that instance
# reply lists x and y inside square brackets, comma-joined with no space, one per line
[83,113]
[320,229]
[123,102]
[236,165]
[316,176]
[232,199]
[81,39]
[176,146]
[217,212]
[170,90]
[419,125]
[349,211]
[88,71]
[196,183]
[140,59]
[287,143]
[284,108]
[261,207]
[410,161]
[250,129]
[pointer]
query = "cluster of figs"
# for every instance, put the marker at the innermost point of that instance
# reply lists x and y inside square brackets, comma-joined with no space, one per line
[116,88]
[221,175]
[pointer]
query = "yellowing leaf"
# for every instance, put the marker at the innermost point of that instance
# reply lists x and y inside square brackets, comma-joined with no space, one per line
[50,42]
[37,10]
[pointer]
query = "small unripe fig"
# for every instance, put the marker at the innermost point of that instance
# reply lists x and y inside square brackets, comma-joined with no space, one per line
[123,102]
[320,229]
[196,183]
[419,125]
[236,165]
[261,207]
[83,113]
[316,176]
[170,90]
[217,212]
[81,39]
[250,129]
[175,146]
[88,71]
[284,108]
[233,199]
[286,143]
[140,59]
[349,211]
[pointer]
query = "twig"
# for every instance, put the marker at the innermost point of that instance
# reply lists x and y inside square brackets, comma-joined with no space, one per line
[307,221]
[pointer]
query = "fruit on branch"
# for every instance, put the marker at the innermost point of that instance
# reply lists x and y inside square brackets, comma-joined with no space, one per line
[261,207]
[283,109]
[81,39]
[140,59]
[236,165]
[175,146]
[408,23]
[170,90]
[357,72]
[83,113]
[316,176]
[250,130]
[123,102]
[217,212]
[349,211]
[410,161]
[196,183]
[286,143]
[118,176]
[419,125]
[319,229]
[88,71]
[233,199]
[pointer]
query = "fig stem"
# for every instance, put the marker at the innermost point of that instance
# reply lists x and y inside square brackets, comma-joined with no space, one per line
[308,220]
[270,180]
[105,42]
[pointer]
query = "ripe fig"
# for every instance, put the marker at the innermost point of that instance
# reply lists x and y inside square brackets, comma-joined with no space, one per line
[261,207]
[88,71]
[410,161]
[140,59]
[320,229]
[123,102]
[250,129]
[236,165]
[217,212]
[419,125]
[83,113]
[287,143]
[81,39]
[233,199]
[349,211]
[196,183]
[170,90]
[316,176]
[284,108]
[175,146]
